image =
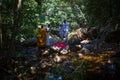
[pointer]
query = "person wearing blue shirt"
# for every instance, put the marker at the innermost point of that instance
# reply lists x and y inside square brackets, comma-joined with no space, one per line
[66,30]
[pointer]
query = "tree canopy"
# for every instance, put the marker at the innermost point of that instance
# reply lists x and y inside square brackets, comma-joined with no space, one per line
[90,50]
[80,13]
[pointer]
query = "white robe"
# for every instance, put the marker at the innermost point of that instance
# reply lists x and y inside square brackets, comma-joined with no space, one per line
[47,35]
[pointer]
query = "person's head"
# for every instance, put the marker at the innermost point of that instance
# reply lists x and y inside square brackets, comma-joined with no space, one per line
[41,26]
[65,21]
[48,25]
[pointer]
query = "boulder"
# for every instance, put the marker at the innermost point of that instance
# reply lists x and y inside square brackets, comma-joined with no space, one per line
[113,37]
[29,42]
[81,33]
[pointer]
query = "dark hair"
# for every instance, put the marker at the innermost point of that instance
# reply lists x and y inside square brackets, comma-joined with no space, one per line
[65,21]
[48,25]
[41,26]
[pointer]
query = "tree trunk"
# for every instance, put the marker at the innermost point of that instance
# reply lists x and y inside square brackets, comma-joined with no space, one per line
[15,25]
[0,31]
[110,8]
[118,12]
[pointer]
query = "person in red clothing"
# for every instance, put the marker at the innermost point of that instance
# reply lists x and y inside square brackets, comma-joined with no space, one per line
[60,45]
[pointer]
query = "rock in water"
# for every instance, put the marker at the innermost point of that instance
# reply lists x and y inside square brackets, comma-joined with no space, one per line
[69,67]
[64,51]
[50,76]
[85,50]
[29,43]
[57,58]
[59,78]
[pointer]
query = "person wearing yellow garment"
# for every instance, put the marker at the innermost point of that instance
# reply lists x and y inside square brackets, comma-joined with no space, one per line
[41,36]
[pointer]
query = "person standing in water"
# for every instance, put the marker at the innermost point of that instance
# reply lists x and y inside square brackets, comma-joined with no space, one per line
[47,35]
[66,30]
[41,37]
[61,31]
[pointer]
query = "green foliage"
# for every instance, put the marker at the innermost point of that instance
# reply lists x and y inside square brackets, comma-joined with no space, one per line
[55,11]
[100,11]
[31,15]
[96,11]
[29,19]
[8,4]
[77,12]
